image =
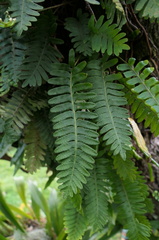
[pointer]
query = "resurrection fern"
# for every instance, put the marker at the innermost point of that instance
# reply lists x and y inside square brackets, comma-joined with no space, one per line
[75,148]
[112,117]
[107,37]
[148,8]
[66,103]
[80,33]
[40,54]
[25,12]
[35,147]
[96,198]
[145,88]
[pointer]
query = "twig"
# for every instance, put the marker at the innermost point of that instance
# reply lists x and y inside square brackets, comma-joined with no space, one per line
[52,7]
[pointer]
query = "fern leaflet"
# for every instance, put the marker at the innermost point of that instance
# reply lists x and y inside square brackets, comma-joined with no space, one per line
[106,37]
[72,108]
[25,12]
[112,118]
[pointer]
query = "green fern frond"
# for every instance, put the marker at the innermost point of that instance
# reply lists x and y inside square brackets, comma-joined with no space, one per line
[25,12]
[7,137]
[146,89]
[12,52]
[41,53]
[76,134]
[114,10]
[131,200]
[75,223]
[125,169]
[96,198]
[147,8]
[106,37]
[35,147]
[80,33]
[18,110]
[112,118]
[143,112]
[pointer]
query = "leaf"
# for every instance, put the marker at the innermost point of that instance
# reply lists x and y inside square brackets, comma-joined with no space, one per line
[4,207]
[25,12]
[20,185]
[93,2]
[148,8]
[106,37]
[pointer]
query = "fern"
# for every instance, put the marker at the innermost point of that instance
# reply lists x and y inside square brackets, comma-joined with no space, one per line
[25,12]
[106,37]
[129,196]
[18,111]
[71,123]
[75,223]
[35,147]
[40,54]
[96,198]
[145,89]
[12,52]
[148,8]
[112,118]
[80,33]
[114,10]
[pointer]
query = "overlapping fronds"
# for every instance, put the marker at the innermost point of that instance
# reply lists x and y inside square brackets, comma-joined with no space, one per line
[114,11]
[12,52]
[148,8]
[146,91]
[41,53]
[25,12]
[76,134]
[35,147]
[96,198]
[112,117]
[129,195]
[106,37]
[18,111]
[75,223]
[80,33]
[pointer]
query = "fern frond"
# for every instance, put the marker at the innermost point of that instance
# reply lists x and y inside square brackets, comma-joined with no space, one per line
[25,12]
[106,37]
[112,118]
[18,110]
[129,196]
[96,198]
[80,33]
[76,134]
[114,10]
[147,8]
[146,89]
[35,147]
[7,137]
[75,223]
[12,52]
[125,169]
[41,53]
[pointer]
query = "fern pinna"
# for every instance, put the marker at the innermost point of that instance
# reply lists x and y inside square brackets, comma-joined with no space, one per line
[68,85]
[72,105]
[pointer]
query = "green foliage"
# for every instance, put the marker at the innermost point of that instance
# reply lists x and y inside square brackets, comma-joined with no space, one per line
[25,12]
[65,103]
